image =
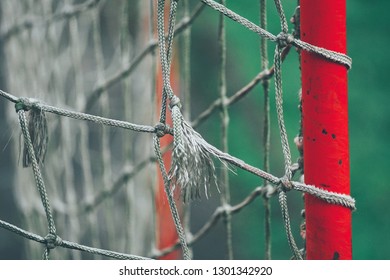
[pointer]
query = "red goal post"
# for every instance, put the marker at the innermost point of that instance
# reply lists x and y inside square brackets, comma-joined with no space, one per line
[325,129]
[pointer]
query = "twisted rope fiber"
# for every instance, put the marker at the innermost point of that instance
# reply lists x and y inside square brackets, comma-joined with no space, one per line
[171,32]
[282,16]
[280,114]
[330,197]
[283,133]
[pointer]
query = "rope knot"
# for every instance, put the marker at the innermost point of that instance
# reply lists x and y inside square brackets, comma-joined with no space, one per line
[226,210]
[25,104]
[268,191]
[284,39]
[175,101]
[285,183]
[161,129]
[52,240]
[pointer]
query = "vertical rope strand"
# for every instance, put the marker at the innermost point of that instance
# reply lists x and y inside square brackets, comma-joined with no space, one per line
[225,192]
[283,132]
[37,175]
[165,65]
[167,49]
[165,57]
[171,201]
[280,114]
[266,130]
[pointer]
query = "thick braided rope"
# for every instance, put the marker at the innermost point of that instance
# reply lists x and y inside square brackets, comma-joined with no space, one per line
[330,197]
[331,55]
[175,104]
[171,33]
[282,16]
[286,218]
[286,180]
[280,114]
[286,153]
[162,46]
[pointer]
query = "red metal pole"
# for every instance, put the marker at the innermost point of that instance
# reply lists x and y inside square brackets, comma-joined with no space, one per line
[325,129]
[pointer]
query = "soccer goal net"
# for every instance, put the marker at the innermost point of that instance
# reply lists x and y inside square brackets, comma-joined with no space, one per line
[106,153]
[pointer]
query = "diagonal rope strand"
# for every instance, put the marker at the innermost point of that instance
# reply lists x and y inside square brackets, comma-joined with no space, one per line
[287,38]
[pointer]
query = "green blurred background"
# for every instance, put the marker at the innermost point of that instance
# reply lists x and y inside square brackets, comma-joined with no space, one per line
[368,41]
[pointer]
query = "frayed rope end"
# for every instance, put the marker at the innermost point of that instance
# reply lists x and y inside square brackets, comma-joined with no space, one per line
[192,166]
[37,128]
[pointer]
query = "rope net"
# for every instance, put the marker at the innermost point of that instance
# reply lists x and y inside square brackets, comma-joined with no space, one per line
[82,77]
